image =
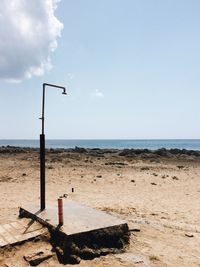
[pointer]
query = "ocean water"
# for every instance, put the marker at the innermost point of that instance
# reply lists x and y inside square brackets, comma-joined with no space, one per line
[190,144]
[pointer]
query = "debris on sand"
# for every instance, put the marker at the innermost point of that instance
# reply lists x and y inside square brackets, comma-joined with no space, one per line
[37,257]
[189,235]
[174,177]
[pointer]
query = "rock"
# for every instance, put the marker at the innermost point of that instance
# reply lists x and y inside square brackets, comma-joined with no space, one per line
[153,183]
[55,151]
[153,258]
[175,178]
[161,152]
[74,250]
[50,167]
[132,181]
[64,196]
[175,151]
[80,149]
[116,163]
[125,152]
[88,254]
[144,169]
[38,257]
[189,235]
[24,174]
[99,176]
[135,229]
[154,214]
[140,151]
[59,251]
[180,166]
[74,259]
[154,174]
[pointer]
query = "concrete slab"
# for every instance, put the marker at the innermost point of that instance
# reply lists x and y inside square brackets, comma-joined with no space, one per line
[86,233]
[19,231]
[78,218]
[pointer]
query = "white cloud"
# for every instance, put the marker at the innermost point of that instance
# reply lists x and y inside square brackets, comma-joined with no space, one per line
[28,33]
[98,93]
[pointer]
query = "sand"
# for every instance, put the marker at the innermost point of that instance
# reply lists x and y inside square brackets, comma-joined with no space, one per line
[157,195]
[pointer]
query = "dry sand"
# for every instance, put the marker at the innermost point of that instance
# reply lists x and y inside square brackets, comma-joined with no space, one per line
[158,195]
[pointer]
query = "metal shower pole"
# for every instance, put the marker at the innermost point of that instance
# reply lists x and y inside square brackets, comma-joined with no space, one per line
[42,147]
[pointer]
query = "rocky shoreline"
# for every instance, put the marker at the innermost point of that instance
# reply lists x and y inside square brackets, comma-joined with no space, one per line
[128,153]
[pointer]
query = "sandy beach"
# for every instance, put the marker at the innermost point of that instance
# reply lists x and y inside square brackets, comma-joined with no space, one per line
[157,193]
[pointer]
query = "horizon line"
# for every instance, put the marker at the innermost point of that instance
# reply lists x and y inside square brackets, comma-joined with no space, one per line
[101,139]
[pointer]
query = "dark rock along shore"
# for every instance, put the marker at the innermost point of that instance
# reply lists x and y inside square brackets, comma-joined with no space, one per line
[142,153]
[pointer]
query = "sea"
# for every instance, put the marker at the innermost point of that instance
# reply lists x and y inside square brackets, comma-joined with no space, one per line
[153,144]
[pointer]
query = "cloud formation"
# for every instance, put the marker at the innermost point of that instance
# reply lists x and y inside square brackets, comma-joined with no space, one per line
[28,36]
[98,93]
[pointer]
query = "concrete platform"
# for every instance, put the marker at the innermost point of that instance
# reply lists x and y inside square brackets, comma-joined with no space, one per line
[19,231]
[84,227]
[78,218]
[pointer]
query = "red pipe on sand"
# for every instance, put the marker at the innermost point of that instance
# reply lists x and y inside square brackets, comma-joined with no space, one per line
[60,211]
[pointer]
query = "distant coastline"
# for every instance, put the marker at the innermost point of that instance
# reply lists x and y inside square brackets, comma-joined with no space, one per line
[151,144]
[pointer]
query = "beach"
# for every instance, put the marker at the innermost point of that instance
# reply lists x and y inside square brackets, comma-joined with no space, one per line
[156,192]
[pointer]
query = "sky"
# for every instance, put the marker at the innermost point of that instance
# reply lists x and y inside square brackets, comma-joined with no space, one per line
[131,69]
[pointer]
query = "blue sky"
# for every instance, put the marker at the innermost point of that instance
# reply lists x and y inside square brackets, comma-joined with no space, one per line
[131,69]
